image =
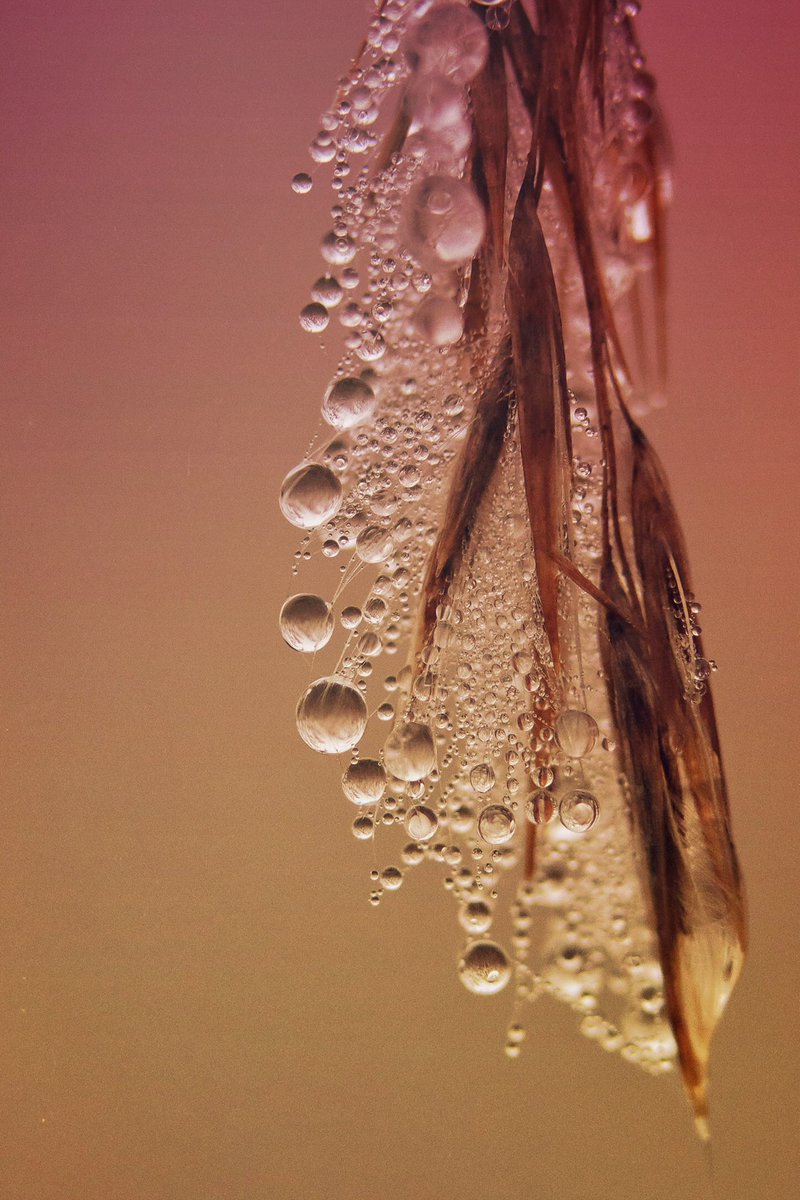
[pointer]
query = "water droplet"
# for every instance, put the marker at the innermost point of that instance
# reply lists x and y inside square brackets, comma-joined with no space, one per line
[540,807]
[578,811]
[331,715]
[445,221]
[373,544]
[543,776]
[363,827]
[438,321]
[301,183]
[306,622]
[409,751]
[338,250]
[314,318]
[348,402]
[475,916]
[327,291]
[310,495]
[482,778]
[391,878]
[421,823]
[364,782]
[449,41]
[576,733]
[484,968]
[496,824]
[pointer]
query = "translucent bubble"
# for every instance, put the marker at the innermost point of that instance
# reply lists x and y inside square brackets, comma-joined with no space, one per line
[314,318]
[306,622]
[482,778]
[449,41]
[373,544]
[331,715]
[327,291]
[364,782]
[484,968]
[421,823]
[445,221]
[475,916]
[438,321]
[348,402]
[576,733]
[409,751]
[540,807]
[301,183]
[391,878]
[578,811]
[496,824]
[310,495]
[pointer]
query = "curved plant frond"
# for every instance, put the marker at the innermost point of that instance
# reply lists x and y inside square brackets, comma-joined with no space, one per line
[496,258]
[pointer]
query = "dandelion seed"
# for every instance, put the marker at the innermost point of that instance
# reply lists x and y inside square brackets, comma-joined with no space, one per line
[501,186]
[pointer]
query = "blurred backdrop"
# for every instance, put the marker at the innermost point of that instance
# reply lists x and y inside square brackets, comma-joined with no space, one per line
[197,1001]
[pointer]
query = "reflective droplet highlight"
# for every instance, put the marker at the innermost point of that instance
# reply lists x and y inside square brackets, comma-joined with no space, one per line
[576,733]
[409,751]
[310,495]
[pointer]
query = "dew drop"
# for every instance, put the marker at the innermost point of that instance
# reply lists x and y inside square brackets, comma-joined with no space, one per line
[310,495]
[301,183]
[540,807]
[327,291]
[439,321]
[391,878]
[449,41]
[475,916]
[363,827]
[421,823]
[445,221]
[484,968]
[306,622]
[496,824]
[482,778]
[578,811]
[373,544]
[364,782]
[314,317]
[409,751]
[576,733]
[331,715]
[348,402]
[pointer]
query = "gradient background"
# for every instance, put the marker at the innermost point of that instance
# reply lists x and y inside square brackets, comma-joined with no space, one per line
[197,1001]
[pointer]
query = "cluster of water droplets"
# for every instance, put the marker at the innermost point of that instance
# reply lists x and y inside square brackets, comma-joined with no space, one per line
[460,755]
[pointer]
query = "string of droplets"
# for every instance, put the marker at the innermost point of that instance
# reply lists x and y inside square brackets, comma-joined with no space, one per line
[475,750]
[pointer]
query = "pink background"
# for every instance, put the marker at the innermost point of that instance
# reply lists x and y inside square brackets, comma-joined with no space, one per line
[197,1001]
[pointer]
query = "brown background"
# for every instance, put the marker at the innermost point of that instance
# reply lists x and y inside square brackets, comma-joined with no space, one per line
[197,1001]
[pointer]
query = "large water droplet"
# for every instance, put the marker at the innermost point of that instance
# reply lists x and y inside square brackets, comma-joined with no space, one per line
[578,811]
[331,715]
[301,183]
[445,221]
[448,41]
[484,968]
[347,403]
[306,622]
[364,782]
[314,317]
[438,321]
[496,824]
[409,751]
[482,777]
[475,916]
[310,495]
[540,807]
[421,823]
[576,733]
